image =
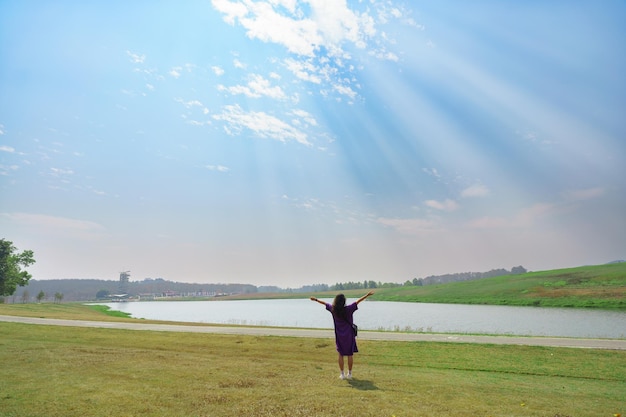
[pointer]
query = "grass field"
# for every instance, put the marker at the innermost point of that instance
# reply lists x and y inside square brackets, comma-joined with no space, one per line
[601,286]
[65,371]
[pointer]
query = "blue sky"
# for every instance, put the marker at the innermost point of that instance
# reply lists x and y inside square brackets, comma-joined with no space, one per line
[287,142]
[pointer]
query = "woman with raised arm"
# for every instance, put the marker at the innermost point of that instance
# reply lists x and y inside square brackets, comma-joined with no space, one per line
[345,338]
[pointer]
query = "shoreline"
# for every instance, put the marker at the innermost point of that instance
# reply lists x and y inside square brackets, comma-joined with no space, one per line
[607,344]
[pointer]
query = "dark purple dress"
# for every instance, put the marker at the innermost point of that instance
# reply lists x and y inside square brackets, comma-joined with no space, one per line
[344,335]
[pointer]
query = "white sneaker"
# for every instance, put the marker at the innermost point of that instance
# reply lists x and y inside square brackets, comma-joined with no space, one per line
[342,376]
[349,375]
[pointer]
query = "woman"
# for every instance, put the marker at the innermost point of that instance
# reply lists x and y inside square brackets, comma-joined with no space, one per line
[344,334]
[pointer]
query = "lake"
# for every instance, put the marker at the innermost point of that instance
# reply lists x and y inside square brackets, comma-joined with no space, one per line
[391,316]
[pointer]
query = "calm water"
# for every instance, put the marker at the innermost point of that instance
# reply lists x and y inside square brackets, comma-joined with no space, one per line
[394,316]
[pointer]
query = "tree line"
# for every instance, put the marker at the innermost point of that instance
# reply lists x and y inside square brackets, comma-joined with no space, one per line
[429,280]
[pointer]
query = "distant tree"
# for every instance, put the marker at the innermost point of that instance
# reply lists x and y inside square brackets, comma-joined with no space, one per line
[11,263]
[41,296]
[25,296]
[408,283]
[417,282]
[58,297]
[102,294]
[371,284]
[516,270]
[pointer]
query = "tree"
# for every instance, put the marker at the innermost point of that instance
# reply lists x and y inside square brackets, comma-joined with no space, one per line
[102,294]
[41,296]
[516,270]
[58,297]
[11,264]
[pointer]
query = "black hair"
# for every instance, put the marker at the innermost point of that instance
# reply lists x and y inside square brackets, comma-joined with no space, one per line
[339,306]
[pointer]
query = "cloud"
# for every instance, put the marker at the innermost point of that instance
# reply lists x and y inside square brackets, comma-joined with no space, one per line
[257,87]
[525,217]
[319,34]
[476,190]
[488,223]
[432,172]
[303,70]
[584,194]
[6,169]
[219,168]
[189,104]
[60,172]
[8,149]
[446,205]
[60,226]
[136,58]
[305,116]
[1,129]
[261,123]
[217,70]
[175,72]
[409,226]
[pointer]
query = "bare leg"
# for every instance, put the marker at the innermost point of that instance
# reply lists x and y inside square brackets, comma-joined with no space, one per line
[350,362]
[340,361]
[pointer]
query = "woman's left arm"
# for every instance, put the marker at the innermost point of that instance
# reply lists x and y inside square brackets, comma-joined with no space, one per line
[364,297]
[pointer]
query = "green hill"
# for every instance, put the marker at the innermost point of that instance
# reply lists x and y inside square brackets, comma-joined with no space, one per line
[601,286]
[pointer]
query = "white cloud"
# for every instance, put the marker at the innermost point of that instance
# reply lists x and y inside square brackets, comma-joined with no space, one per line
[8,149]
[136,58]
[6,169]
[305,116]
[189,104]
[584,194]
[409,226]
[218,71]
[432,172]
[257,87]
[219,168]
[1,129]
[318,33]
[261,123]
[525,217]
[446,205]
[175,72]
[345,90]
[476,190]
[488,223]
[304,70]
[58,172]
[59,226]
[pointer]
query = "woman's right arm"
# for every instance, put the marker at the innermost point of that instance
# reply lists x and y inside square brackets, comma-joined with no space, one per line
[319,301]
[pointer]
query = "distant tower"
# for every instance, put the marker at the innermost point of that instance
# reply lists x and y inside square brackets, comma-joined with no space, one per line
[124,278]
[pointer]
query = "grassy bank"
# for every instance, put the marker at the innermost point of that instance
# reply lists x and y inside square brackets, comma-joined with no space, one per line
[602,286]
[599,286]
[66,311]
[60,371]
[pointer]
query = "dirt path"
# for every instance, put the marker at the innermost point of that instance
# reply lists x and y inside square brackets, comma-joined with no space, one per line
[614,344]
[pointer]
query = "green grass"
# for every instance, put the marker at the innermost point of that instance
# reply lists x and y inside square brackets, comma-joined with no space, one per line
[64,371]
[602,286]
[67,311]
